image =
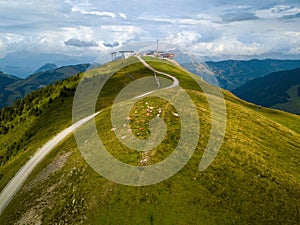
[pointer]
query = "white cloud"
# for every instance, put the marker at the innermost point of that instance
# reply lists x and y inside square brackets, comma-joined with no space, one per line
[242,40]
[184,38]
[54,41]
[200,19]
[13,38]
[8,41]
[226,48]
[50,42]
[121,34]
[99,13]
[80,43]
[294,51]
[277,11]
[229,46]
[122,15]
[94,12]
[288,43]
[85,7]
[81,32]
[2,49]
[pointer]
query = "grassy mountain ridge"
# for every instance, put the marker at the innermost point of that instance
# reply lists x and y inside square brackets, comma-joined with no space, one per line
[20,87]
[254,179]
[5,80]
[272,89]
[46,67]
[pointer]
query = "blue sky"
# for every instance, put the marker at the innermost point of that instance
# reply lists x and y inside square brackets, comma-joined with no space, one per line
[215,29]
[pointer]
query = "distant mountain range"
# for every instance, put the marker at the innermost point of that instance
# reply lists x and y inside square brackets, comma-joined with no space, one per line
[233,73]
[279,90]
[12,88]
[23,64]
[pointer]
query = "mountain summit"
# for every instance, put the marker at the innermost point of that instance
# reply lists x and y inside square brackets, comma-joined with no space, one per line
[46,67]
[254,178]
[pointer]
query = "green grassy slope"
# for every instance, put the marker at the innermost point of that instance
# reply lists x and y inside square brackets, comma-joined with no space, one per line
[30,122]
[254,179]
[293,105]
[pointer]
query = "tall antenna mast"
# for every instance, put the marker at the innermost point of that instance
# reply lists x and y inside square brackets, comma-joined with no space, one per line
[157,47]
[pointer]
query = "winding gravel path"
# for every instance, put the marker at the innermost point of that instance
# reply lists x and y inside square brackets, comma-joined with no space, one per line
[13,186]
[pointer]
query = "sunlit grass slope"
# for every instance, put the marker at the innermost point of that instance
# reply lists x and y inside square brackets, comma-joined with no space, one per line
[253,180]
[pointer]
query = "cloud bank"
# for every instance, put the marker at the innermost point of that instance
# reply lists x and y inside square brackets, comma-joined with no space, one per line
[214,29]
[80,43]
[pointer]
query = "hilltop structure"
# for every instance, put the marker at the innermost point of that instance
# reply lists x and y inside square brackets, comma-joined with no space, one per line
[124,54]
[168,55]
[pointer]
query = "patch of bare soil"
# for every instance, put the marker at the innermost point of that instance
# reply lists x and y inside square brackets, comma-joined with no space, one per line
[34,214]
[53,167]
